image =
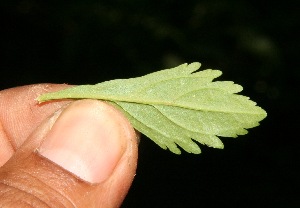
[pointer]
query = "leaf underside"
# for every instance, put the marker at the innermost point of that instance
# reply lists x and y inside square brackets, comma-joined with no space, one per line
[175,106]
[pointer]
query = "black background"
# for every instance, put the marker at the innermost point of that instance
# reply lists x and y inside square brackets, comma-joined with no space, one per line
[254,43]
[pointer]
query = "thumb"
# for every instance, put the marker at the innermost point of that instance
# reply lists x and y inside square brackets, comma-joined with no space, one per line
[83,156]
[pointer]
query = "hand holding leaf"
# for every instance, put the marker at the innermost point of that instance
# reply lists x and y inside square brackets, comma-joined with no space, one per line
[176,106]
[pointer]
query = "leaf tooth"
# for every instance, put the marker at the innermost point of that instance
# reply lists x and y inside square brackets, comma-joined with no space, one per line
[173,148]
[188,145]
[227,86]
[212,73]
[234,132]
[183,69]
[208,139]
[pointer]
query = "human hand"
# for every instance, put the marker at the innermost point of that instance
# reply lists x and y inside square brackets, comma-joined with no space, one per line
[63,154]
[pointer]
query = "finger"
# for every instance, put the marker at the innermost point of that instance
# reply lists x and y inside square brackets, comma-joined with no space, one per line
[84,156]
[20,114]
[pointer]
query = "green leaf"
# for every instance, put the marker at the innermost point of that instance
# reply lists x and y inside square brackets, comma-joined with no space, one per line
[175,106]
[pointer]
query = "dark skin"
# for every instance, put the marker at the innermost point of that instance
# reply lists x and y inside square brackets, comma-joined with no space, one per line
[28,179]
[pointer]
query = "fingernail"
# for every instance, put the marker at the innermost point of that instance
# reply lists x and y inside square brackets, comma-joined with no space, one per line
[88,140]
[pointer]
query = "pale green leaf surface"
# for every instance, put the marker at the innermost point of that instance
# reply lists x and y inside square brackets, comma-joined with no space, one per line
[175,106]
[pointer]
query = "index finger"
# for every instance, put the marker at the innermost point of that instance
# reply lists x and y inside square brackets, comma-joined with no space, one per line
[20,114]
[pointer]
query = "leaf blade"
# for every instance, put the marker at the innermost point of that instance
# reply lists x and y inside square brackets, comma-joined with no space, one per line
[174,106]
